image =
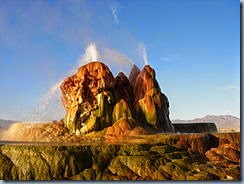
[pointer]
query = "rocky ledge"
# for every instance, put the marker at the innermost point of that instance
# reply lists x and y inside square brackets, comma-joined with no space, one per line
[152,157]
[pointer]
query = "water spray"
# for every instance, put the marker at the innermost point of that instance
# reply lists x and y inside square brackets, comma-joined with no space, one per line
[43,112]
[143,52]
[53,93]
[91,54]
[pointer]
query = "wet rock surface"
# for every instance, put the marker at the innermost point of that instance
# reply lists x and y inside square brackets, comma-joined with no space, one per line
[95,100]
[150,157]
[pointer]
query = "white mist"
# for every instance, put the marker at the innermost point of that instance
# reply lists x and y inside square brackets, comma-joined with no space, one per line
[91,54]
[143,52]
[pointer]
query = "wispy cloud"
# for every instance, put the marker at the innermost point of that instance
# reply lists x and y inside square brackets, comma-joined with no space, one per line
[34,18]
[167,59]
[114,13]
[232,87]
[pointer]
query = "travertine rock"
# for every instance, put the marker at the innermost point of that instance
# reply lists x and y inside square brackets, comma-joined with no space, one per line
[94,99]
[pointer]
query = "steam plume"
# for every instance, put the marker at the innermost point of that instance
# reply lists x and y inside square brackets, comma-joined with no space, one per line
[91,54]
[116,61]
[143,52]
[50,106]
[49,101]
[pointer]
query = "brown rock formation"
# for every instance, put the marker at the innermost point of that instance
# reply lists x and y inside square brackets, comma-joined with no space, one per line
[88,99]
[94,100]
[228,150]
[150,103]
[94,77]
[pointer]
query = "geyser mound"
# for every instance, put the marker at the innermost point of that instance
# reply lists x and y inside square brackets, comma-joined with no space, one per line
[95,100]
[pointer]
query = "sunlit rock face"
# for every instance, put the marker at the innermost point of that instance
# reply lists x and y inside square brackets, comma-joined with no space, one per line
[151,105]
[88,98]
[95,100]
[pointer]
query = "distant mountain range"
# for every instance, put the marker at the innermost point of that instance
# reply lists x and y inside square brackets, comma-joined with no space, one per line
[221,121]
[5,123]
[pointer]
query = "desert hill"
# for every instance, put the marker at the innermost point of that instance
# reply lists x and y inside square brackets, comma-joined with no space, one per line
[222,121]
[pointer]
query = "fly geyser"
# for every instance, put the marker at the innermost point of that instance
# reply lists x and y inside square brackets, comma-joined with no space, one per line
[116,128]
[95,100]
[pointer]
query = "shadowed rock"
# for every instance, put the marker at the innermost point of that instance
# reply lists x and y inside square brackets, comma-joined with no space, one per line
[133,74]
[123,89]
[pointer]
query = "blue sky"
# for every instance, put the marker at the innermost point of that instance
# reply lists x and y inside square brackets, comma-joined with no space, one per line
[194,46]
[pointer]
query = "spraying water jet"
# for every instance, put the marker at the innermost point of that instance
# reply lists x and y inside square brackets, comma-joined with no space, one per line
[91,54]
[143,52]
